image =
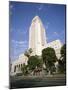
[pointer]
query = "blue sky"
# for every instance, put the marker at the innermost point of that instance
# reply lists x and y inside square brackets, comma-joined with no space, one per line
[21,15]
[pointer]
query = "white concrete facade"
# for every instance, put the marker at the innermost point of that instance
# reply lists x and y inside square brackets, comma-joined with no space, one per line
[17,64]
[37,38]
[57,46]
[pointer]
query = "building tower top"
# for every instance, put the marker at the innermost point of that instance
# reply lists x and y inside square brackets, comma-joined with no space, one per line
[37,37]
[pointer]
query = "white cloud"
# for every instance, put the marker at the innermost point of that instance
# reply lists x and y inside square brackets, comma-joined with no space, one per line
[17,47]
[19,42]
[11,7]
[47,25]
[55,33]
[21,32]
[47,38]
[40,7]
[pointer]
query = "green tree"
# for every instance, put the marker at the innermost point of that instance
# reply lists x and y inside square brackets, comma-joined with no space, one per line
[62,61]
[63,53]
[28,52]
[24,69]
[34,61]
[60,66]
[49,58]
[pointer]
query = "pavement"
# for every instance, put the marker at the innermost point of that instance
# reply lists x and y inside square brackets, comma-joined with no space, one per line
[37,81]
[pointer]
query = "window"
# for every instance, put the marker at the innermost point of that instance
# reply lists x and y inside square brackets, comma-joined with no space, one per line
[17,65]
[42,44]
[14,68]
[21,65]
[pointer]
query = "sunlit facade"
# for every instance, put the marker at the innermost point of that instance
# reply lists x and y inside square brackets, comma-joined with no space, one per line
[37,36]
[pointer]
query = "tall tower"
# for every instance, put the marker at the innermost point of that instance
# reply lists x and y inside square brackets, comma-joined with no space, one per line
[37,37]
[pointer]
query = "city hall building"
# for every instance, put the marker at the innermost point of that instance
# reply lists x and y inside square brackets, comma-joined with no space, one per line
[37,42]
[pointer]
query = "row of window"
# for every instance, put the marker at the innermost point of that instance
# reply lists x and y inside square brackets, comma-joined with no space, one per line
[17,66]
